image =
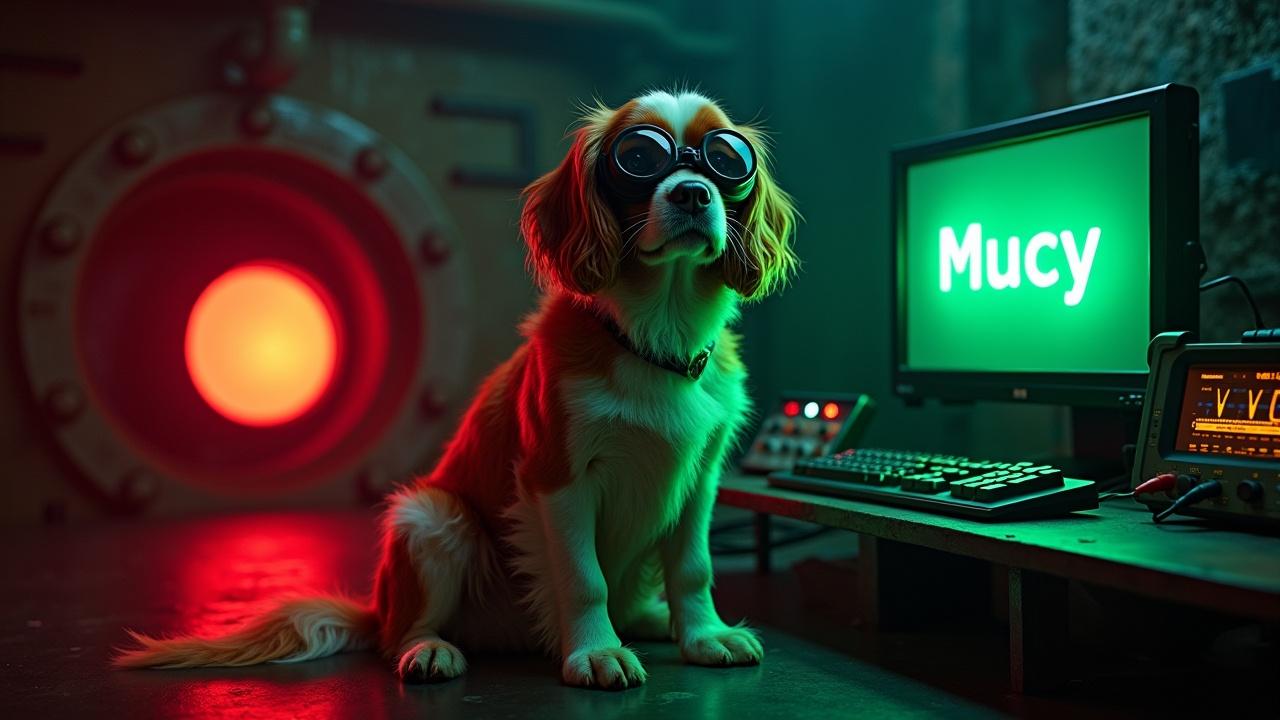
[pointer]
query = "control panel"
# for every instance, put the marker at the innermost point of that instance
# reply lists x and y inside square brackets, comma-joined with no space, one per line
[1212,413]
[805,425]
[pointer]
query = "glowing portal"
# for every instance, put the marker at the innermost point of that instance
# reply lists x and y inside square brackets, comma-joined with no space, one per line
[261,345]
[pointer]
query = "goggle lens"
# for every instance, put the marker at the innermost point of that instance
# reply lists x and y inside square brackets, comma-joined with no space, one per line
[729,156]
[643,153]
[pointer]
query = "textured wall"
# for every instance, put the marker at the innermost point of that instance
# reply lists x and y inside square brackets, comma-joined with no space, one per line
[1122,45]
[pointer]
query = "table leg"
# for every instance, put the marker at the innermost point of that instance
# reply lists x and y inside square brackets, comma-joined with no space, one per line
[764,546]
[1038,626]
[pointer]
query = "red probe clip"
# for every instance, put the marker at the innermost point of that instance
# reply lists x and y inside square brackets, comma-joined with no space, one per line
[1163,481]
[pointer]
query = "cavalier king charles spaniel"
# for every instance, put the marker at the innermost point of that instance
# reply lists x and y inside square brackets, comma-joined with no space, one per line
[571,510]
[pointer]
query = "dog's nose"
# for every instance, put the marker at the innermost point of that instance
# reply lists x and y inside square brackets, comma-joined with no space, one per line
[691,196]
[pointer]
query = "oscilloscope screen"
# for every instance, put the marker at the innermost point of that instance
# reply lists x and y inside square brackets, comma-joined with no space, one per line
[1231,410]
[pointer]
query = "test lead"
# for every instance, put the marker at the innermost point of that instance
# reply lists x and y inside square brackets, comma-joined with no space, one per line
[1206,489]
[1163,481]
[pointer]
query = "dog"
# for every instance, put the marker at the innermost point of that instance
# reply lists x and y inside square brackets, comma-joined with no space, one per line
[571,510]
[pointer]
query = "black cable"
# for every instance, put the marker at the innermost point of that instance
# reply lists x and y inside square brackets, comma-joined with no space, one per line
[1216,282]
[1203,491]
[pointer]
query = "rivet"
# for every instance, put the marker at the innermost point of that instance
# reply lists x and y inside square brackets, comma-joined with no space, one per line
[62,234]
[138,487]
[55,512]
[432,403]
[233,74]
[433,248]
[135,146]
[371,163]
[257,119]
[64,402]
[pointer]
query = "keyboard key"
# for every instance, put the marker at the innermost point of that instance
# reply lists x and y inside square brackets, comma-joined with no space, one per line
[965,488]
[1043,480]
[930,486]
[996,491]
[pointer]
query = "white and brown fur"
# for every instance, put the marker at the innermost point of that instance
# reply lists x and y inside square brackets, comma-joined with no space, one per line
[571,510]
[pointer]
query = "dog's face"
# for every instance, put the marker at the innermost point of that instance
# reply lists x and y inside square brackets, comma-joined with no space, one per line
[684,217]
[663,179]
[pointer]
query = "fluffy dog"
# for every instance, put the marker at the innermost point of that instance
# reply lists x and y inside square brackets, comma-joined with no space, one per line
[571,510]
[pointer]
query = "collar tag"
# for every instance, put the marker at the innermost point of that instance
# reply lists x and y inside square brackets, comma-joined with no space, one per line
[698,363]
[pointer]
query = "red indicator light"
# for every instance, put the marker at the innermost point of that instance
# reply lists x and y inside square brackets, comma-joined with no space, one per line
[261,345]
[831,411]
[791,408]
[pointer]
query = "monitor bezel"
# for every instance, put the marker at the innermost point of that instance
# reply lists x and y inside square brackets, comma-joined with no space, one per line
[1173,112]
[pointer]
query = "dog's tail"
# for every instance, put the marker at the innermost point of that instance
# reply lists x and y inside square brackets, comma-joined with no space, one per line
[296,630]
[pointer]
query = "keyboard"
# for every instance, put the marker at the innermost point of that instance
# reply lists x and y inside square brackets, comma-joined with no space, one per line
[949,484]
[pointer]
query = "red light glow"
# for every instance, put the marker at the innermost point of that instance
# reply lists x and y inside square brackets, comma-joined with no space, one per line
[791,408]
[831,411]
[222,571]
[261,345]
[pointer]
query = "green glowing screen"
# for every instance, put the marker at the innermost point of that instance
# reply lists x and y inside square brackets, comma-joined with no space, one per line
[1031,256]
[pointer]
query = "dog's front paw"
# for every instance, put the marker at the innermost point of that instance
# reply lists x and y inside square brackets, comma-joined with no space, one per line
[722,646]
[431,660]
[614,668]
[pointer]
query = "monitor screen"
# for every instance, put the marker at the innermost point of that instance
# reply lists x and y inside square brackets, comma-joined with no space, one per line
[1030,255]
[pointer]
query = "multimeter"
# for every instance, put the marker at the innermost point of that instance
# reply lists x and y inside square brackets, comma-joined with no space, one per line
[1212,412]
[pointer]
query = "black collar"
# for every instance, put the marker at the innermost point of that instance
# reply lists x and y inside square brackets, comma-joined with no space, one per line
[691,368]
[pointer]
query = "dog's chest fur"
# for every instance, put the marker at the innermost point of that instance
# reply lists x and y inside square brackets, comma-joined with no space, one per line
[646,437]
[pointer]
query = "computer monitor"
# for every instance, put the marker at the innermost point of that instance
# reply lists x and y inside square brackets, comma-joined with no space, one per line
[1035,259]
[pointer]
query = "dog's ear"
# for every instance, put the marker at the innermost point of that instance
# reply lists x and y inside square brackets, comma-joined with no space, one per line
[768,220]
[568,226]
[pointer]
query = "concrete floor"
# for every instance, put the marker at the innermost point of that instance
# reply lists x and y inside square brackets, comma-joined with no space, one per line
[70,592]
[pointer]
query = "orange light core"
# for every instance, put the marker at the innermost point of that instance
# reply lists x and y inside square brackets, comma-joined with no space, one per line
[831,411]
[261,345]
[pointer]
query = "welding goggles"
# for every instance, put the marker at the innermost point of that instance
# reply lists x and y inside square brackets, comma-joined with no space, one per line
[643,155]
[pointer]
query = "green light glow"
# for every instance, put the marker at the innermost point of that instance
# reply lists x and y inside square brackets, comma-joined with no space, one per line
[1033,256]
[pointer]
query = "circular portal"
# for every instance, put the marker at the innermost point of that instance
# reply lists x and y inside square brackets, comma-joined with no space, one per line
[261,345]
[243,313]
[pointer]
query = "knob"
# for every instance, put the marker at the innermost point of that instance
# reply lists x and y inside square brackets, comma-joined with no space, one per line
[1249,491]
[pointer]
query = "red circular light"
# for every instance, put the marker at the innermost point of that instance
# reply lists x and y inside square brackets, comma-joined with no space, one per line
[831,411]
[791,408]
[261,345]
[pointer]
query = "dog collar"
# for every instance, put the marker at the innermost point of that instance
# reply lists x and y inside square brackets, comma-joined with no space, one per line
[691,368]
